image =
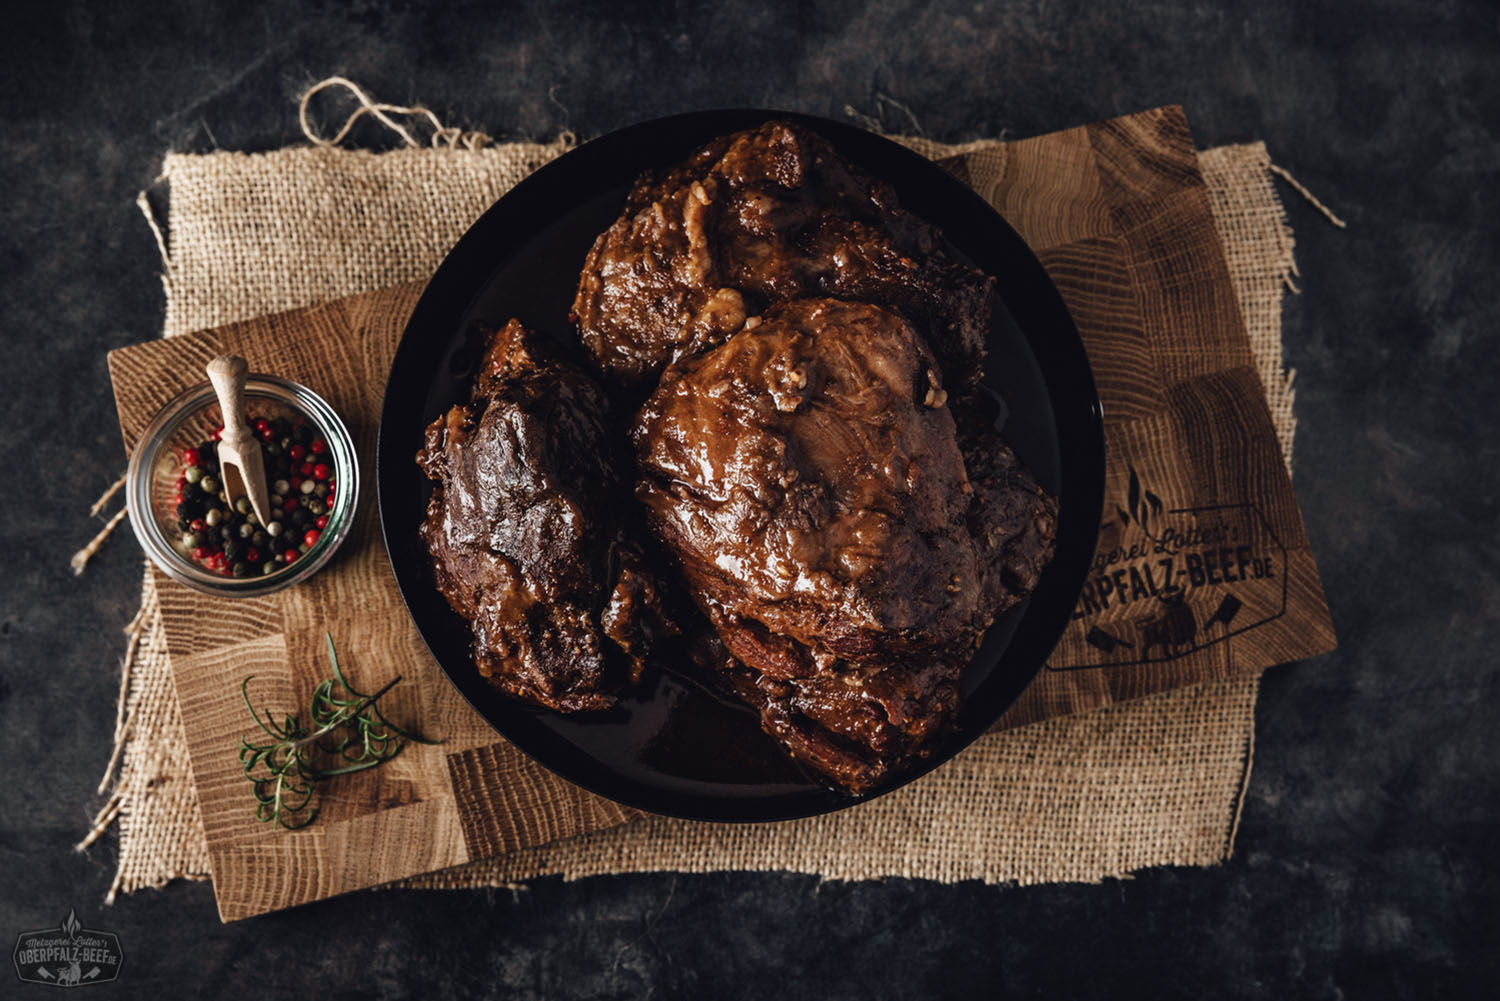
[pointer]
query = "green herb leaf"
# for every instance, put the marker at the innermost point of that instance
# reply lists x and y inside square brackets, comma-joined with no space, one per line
[347,735]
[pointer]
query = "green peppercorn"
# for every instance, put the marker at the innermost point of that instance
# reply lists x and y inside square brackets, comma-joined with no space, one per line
[192,474]
[273,450]
[246,530]
[273,529]
[258,539]
[267,567]
[321,490]
[213,517]
[281,487]
[209,484]
[242,505]
[251,519]
[240,569]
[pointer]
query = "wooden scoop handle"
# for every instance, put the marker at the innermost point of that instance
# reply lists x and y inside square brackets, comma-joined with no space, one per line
[228,374]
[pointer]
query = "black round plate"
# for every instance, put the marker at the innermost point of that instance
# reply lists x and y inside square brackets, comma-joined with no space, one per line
[674,746]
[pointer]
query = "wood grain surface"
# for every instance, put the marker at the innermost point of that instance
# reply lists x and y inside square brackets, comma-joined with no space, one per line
[1118,214]
[1195,485]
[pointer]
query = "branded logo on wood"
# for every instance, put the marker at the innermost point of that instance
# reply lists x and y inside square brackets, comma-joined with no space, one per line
[1167,581]
[68,955]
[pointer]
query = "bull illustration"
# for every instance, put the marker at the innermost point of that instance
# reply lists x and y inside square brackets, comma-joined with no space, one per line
[70,975]
[1172,629]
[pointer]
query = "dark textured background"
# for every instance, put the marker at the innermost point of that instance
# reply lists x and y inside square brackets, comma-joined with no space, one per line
[1365,864]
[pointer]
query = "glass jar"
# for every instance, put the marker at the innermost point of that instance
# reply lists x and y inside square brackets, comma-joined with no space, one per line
[190,418]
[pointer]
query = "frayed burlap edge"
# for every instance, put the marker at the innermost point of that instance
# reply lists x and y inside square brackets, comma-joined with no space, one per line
[1158,781]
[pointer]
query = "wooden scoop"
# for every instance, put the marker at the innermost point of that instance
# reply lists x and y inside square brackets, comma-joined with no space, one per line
[242,467]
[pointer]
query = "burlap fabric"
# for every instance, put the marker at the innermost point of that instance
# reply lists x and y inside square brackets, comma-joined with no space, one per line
[1154,782]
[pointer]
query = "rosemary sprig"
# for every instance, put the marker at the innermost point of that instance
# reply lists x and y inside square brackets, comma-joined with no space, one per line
[346,735]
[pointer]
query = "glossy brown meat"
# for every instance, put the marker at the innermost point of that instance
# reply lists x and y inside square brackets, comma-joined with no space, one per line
[807,475]
[860,724]
[1013,520]
[524,542]
[758,218]
[855,723]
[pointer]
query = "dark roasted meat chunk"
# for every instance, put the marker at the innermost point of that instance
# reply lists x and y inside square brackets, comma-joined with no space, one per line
[857,730]
[1013,520]
[758,218]
[808,477]
[525,541]
[856,723]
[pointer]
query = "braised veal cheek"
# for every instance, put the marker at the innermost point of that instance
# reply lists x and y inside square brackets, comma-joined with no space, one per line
[758,218]
[523,538]
[808,476]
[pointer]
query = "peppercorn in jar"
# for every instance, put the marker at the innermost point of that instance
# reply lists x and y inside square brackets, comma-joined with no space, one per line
[229,539]
[181,512]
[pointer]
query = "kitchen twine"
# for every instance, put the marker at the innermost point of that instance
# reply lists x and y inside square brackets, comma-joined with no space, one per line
[441,137]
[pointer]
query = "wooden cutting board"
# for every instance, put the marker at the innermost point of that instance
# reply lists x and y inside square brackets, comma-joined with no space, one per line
[1203,570]
[1118,214]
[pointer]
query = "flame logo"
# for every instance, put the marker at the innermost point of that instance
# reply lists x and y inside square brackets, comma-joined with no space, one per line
[42,957]
[1144,505]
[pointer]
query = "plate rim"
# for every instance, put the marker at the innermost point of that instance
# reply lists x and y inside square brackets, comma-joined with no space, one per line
[1082,476]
